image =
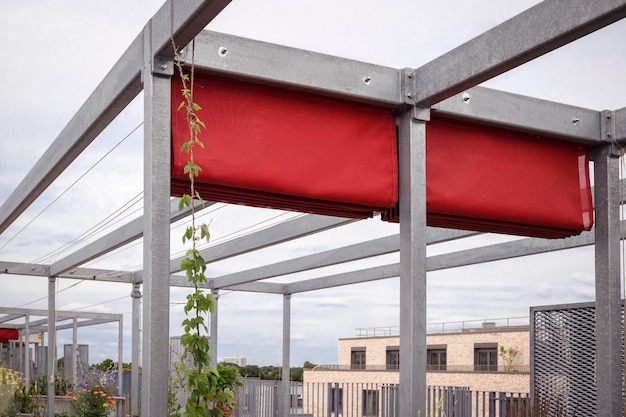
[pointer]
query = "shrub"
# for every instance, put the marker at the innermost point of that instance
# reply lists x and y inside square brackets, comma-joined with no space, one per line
[93,396]
[9,382]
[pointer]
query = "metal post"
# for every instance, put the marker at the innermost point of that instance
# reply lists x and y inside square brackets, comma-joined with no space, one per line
[27,351]
[285,396]
[75,354]
[412,173]
[608,302]
[213,334]
[135,342]
[120,353]
[19,353]
[156,242]
[52,342]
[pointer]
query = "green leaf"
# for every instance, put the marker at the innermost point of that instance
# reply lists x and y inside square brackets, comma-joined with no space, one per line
[185,201]
[188,234]
[204,232]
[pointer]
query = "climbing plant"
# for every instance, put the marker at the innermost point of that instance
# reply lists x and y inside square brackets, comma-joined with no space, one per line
[205,395]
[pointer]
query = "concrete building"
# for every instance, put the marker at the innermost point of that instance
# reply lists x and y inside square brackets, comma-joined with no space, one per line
[237,360]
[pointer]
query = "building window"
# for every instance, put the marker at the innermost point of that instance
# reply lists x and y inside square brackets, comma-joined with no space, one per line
[335,396]
[436,358]
[357,358]
[393,357]
[370,403]
[485,357]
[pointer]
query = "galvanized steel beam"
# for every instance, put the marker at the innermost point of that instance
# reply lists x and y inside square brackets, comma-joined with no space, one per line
[532,33]
[119,237]
[62,315]
[292,68]
[609,346]
[376,247]
[412,202]
[181,20]
[213,334]
[620,125]
[156,242]
[119,87]
[52,343]
[262,287]
[90,274]
[282,232]
[285,386]
[486,106]
[135,348]
[346,278]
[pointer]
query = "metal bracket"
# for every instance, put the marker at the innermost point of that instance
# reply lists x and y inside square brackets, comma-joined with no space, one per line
[421,114]
[608,129]
[163,66]
[607,126]
[408,86]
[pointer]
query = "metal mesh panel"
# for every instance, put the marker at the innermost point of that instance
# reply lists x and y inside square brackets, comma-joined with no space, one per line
[563,359]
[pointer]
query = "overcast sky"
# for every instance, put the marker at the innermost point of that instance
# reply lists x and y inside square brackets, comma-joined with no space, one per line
[55,54]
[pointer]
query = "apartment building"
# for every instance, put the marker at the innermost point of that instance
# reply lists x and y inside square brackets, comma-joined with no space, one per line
[470,357]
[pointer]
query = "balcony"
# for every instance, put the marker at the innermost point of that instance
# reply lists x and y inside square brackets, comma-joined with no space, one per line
[429,368]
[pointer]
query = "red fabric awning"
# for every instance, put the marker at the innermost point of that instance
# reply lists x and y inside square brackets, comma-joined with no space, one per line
[270,147]
[277,148]
[8,334]
[493,180]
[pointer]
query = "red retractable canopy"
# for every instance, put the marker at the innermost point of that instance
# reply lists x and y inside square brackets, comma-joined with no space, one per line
[8,334]
[494,180]
[277,148]
[270,147]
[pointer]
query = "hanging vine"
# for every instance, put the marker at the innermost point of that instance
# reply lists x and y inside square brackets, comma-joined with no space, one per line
[206,396]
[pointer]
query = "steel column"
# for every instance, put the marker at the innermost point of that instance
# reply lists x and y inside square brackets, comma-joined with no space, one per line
[412,173]
[120,353]
[75,353]
[213,335]
[27,352]
[135,344]
[52,342]
[608,303]
[285,397]
[156,243]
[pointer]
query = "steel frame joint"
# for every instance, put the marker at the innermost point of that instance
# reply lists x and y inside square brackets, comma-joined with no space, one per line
[408,86]
[420,114]
[162,66]
[608,128]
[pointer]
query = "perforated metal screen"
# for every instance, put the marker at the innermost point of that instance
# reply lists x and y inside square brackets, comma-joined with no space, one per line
[563,350]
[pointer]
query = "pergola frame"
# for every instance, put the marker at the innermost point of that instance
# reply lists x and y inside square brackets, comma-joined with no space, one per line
[50,325]
[443,85]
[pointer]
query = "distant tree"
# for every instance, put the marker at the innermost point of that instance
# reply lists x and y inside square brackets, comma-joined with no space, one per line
[271,373]
[295,374]
[60,365]
[106,365]
[309,365]
[250,371]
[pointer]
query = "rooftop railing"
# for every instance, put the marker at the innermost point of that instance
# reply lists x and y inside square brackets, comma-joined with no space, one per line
[429,368]
[447,327]
[257,398]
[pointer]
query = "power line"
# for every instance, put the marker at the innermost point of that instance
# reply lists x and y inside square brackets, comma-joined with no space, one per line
[70,186]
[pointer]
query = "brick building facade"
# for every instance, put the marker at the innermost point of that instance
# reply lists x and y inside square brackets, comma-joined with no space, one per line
[469,358]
